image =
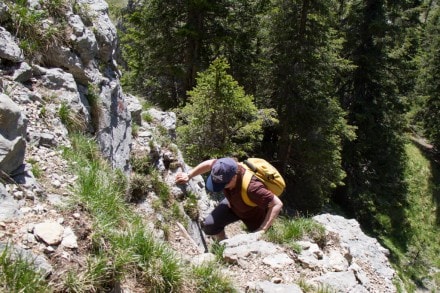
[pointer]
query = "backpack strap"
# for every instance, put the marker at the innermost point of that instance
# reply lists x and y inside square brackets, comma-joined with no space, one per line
[244,186]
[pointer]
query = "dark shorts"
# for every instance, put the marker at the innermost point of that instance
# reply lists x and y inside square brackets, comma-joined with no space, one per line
[219,218]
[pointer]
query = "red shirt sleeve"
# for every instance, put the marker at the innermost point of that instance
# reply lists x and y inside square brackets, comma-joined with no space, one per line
[259,194]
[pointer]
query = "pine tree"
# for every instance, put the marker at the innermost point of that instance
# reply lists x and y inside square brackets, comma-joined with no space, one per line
[375,188]
[165,44]
[219,118]
[151,39]
[303,51]
[429,78]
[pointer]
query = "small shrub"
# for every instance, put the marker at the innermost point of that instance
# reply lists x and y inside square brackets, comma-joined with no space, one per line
[139,187]
[36,170]
[140,163]
[56,8]
[95,105]
[191,207]
[147,117]
[176,211]
[134,130]
[217,249]
[162,190]
[30,26]
[73,122]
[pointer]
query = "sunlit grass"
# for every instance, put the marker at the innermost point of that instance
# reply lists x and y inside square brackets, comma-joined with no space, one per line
[121,245]
[209,279]
[286,231]
[17,274]
[421,251]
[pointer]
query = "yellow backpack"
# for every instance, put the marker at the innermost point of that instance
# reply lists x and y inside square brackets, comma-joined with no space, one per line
[266,173]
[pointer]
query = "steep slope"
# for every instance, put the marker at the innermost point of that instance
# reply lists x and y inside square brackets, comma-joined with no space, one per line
[77,86]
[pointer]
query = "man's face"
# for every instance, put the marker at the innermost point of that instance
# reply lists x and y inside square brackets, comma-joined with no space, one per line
[232,183]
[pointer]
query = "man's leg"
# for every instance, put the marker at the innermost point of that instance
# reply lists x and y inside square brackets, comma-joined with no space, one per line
[214,224]
[220,236]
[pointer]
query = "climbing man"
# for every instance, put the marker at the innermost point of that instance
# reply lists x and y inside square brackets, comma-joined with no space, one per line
[227,176]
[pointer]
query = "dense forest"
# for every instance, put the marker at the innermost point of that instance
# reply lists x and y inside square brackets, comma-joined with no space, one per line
[333,93]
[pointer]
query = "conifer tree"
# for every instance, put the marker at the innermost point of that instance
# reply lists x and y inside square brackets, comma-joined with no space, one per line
[219,119]
[375,188]
[303,51]
[165,43]
[429,83]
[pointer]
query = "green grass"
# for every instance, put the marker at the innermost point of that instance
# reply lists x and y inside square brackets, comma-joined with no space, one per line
[208,279]
[28,24]
[35,168]
[217,249]
[115,8]
[287,231]
[190,206]
[72,121]
[17,274]
[421,251]
[121,245]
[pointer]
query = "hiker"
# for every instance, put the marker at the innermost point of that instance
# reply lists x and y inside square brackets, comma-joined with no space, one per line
[226,175]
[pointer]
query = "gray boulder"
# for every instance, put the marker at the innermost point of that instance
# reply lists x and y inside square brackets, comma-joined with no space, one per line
[135,108]
[9,50]
[114,135]
[95,12]
[9,207]
[12,135]
[368,259]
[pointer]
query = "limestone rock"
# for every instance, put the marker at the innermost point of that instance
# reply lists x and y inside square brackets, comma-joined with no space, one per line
[49,232]
[9,207]
[268,287]
[9,50]
[69,239]
[12,135]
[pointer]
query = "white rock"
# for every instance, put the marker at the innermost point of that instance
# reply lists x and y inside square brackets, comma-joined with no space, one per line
[49,232]
[69,239]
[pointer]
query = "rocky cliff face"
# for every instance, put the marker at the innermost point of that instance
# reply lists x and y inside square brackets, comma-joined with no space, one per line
[33,96]
[79,73]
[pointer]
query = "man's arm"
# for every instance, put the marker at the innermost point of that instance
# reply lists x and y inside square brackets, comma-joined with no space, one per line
[201,168]
[274,209]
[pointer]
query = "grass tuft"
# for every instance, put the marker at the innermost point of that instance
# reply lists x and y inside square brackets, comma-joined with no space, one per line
[418,252]
[209,279]
[17,274]
[286,231]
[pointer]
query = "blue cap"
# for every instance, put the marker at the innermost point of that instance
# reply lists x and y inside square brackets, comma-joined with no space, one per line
[221,174]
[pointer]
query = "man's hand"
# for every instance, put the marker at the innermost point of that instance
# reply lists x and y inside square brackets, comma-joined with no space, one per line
[182,178]
[259,234]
